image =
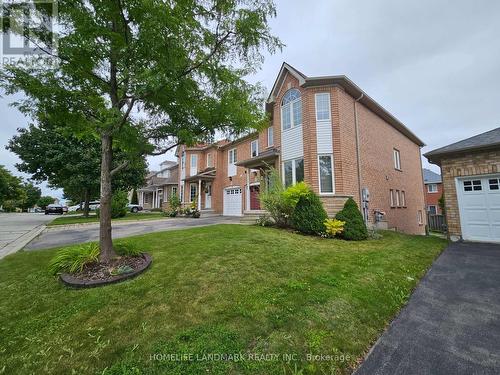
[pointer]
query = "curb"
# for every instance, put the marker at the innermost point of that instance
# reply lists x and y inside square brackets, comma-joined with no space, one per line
[22,241]
[96,224]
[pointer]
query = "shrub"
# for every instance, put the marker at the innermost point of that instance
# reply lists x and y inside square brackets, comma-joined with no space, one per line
[264,221]
[119,202]
[293,193]
[309,215]
[127,249]
[274,202]
[74,259]
[354,228]
[334,227]
[135,198]
[174,202]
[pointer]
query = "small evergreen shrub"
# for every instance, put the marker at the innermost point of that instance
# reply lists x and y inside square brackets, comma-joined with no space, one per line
[135,198]
[354,228]
[309,215]
[74,259]
[174,203]
[334,227]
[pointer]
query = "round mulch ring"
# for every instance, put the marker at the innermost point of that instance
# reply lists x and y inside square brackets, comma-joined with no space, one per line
[98,274]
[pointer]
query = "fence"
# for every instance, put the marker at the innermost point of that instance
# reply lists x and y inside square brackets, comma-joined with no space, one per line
[436,223]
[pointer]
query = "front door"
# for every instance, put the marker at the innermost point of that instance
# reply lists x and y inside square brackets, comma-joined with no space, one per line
[208,195]
[254,197]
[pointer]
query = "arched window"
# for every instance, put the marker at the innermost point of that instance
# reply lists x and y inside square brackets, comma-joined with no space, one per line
[291,109]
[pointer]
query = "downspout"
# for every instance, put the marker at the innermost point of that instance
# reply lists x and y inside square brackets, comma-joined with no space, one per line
[358,157]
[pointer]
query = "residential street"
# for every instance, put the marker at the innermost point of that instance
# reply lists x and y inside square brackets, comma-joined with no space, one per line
[55,236]
[451,324]
[17,227]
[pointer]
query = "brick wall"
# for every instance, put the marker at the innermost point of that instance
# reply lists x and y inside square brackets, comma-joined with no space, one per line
[377,141]
[432,199]
[471,164]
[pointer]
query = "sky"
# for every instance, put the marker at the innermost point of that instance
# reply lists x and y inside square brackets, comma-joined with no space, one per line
[435,65]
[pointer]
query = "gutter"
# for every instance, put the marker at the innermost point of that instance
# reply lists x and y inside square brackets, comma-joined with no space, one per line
[358,157]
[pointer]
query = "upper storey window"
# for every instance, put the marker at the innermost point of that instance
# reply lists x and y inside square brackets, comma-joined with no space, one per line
[291,109]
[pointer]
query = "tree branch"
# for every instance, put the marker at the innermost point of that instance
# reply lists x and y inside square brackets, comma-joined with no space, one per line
[163,151]
[120,167]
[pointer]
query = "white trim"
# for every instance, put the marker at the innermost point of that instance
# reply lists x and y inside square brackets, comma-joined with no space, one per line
[434,191]
[396,155]
[193,172]
[294,172]
[196,187]
[231,166]
[319,175]
[209,165]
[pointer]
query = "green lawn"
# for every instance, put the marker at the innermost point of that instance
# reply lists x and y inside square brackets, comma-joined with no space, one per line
[213,290]
[72,219]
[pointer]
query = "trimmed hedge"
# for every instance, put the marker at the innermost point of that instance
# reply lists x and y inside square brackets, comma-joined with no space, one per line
[309,215]
[354,227]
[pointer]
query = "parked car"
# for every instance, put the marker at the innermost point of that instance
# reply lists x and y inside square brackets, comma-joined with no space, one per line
[93,205]
[54,209]
[65,209]
[134,207]
[74,208]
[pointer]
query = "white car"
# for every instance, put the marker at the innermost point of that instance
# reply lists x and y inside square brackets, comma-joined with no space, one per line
[93,205]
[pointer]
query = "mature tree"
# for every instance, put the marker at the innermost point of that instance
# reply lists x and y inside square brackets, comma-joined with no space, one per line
[10,186]
[44,201]
[69,162]
[31,195]
[147,75]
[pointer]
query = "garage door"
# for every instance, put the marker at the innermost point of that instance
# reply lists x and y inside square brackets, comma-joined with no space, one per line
[479,205]
[232,201]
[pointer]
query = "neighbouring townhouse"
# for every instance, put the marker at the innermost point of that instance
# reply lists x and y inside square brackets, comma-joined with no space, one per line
[471,180]
[159,186]
[327,132]
[433,190]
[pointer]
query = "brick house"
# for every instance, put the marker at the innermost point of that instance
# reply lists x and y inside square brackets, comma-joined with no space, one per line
[433,190]
[471,180]
[160,185]
[327,132]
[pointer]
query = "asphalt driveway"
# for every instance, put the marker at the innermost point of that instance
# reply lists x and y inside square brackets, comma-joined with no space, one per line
[59,236]
[451,324]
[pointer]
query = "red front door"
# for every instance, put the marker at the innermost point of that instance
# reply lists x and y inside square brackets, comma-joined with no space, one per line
[254,197]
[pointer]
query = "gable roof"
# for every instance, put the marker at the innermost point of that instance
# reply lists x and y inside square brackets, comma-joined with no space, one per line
[483,141]
[350,87]
[431,177]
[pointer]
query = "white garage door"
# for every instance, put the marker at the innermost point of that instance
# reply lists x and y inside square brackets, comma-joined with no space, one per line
[232,201]
[479,204]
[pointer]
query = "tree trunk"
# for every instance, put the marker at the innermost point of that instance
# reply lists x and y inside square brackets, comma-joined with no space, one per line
[105,240]
[86,199]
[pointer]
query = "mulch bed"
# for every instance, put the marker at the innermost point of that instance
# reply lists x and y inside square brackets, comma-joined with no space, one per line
[97,274]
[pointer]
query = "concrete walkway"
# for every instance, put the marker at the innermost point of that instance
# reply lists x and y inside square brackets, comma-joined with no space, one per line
[451,324]
[17,229]
[55,236]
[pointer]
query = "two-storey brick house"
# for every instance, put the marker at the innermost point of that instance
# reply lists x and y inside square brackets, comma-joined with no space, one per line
[327,132]
[433,191]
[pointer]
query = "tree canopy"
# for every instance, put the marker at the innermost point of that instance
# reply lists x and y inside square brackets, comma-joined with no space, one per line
[144,76]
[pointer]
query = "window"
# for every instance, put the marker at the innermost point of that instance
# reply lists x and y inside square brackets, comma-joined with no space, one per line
[432,188]
[391,196]
[432,209]
[183,160]
[397,160]
[193,170]
[403,198]
[193,192]
[254,148]
[291,109]
[209,160]
[270,136]
[398,202]
[182,193]
[232,159]
[322,106]
[325,173]
[471,185]
[293,171]
[174,190]
[494,183]
[420,217]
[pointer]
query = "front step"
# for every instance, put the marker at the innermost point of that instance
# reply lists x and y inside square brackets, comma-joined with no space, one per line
[208,213]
